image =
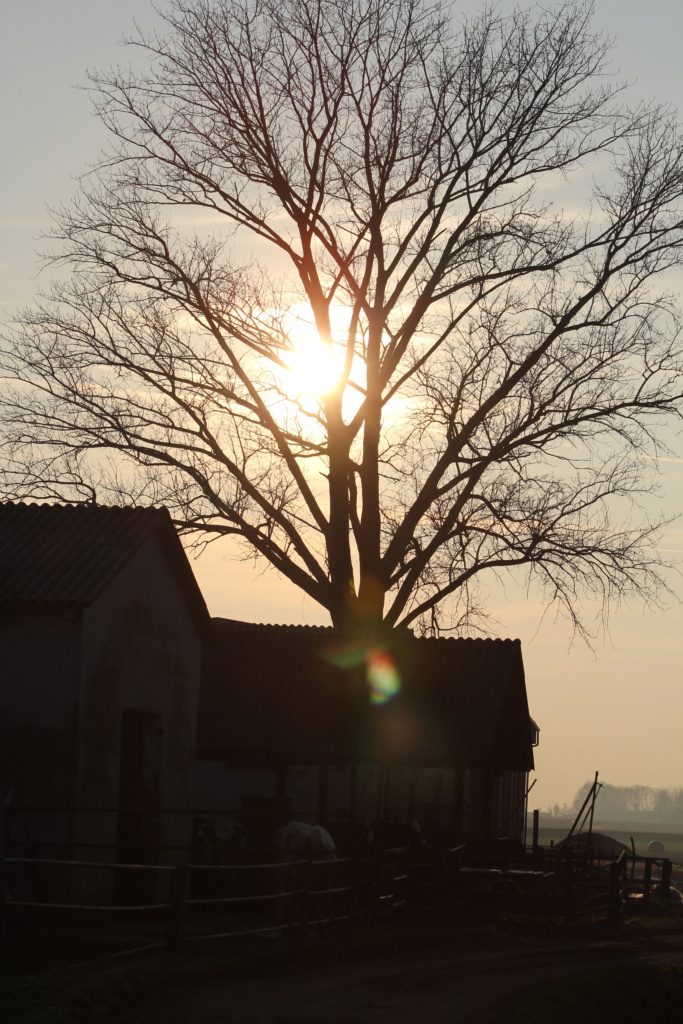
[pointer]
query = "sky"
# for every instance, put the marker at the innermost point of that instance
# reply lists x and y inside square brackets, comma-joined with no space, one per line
[617,708]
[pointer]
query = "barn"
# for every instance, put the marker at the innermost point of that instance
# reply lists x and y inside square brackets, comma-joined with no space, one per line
[308,723]
[101,632]
[127,713]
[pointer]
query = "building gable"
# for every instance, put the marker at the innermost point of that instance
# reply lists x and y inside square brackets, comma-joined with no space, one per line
[68,554]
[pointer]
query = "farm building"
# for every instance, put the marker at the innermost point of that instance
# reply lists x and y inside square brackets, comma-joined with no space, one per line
[305,722]
[101,632]
[126,712]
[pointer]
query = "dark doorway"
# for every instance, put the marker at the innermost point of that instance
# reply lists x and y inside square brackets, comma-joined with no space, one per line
[138,828]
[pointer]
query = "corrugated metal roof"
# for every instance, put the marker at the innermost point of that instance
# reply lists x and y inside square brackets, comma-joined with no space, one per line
[271,693]
[67,554]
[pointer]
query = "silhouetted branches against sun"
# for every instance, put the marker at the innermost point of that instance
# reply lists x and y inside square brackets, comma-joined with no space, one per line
[318,303]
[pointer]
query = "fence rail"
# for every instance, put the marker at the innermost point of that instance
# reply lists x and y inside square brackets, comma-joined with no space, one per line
[308,892]
[324,891]
[89,863]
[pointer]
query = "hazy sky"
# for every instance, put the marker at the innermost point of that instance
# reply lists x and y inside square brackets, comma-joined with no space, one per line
[618,710]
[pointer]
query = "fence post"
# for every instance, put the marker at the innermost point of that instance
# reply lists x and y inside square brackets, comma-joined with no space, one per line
[647,880]
[615,871]
[666,880]
[534,840]
[570,887]
[178,895]
[377,874]
[353,895]
[307,886]
[3,900]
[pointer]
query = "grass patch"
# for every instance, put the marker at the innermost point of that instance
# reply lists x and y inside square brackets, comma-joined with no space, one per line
[633,994]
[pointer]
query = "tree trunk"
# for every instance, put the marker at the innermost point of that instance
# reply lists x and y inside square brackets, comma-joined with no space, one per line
[338,539]
[371,589]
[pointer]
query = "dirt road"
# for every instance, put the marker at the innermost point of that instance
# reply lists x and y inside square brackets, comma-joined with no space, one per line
[435,986]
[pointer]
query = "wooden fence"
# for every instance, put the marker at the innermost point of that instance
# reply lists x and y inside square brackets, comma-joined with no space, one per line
[538,883]
[564,888]
[240,899]
[200,902]
[648,877]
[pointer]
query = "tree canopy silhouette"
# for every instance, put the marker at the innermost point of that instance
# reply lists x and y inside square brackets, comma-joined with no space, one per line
[319,297]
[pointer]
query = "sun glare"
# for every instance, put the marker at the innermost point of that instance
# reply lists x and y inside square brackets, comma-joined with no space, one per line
[314,369]
[312,366]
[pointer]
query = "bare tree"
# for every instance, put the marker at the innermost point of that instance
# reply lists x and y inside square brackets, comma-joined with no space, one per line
[418,373]
[623,802]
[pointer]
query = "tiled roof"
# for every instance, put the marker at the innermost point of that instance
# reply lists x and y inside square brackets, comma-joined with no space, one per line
[272,693]
[67,554]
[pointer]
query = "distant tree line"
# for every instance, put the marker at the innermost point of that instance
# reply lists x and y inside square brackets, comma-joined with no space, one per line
[626,801]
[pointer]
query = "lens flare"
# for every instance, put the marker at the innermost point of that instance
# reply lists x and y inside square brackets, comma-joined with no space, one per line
[384,678]
[382,675]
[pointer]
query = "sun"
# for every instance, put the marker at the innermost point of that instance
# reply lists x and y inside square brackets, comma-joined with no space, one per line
[312,364]
[312,368]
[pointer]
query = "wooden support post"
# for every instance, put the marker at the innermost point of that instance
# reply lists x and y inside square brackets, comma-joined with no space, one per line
[621,871]
[458,799]
[178,895]
[323,772]
[380,791]
[353,895]
[615,871]
[647,880]
[665,890]
[595,794]
[353,793]
[3,932]
[534,840]
[307,886]
[486,802]
[377,878]
[281,796]
[570,889]
[386,796]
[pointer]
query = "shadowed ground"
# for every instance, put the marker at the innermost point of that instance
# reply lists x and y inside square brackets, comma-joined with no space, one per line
[433,986]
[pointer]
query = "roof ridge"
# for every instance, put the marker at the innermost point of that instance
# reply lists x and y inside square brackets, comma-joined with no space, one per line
[82,505]
[474,639]
[243,625]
